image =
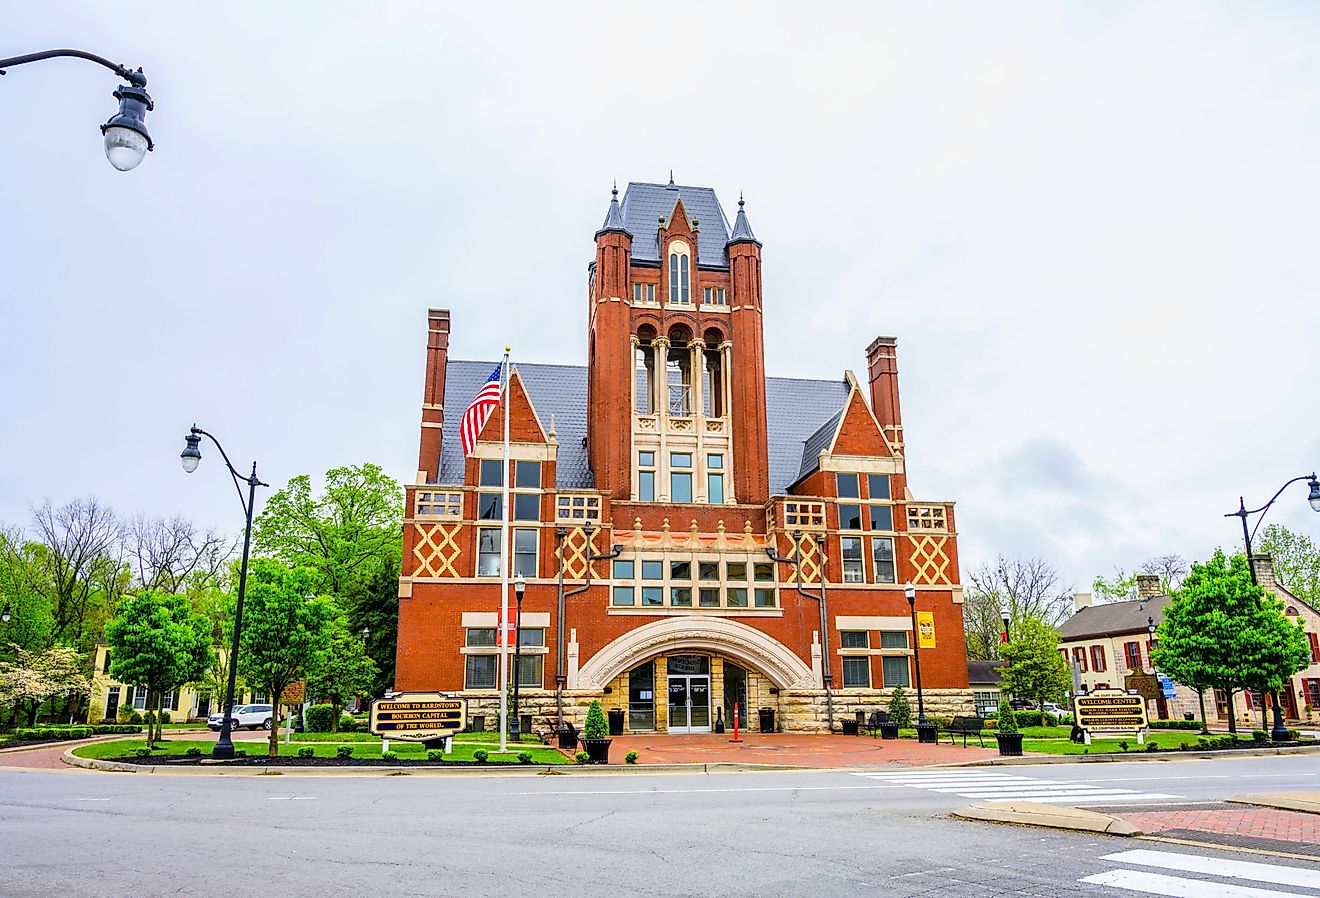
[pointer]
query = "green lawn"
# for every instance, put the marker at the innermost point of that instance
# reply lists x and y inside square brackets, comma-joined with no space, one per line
[1056,742]
[486,738]
[462,752]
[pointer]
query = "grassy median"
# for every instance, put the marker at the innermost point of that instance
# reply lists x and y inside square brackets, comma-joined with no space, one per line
[362,749]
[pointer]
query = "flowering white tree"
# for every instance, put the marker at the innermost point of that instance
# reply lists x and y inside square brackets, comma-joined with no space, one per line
[34,676]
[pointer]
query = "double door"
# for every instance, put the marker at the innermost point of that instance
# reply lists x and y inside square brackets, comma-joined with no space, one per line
[689,703]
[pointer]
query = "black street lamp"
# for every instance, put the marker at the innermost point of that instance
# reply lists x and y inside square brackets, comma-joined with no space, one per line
[519,587]
[925,732]
[796,561]
[191,457]
[1279,732]
[125,135]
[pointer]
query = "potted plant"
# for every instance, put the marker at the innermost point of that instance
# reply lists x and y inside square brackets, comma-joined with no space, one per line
[1008,736]
[596,734]
[900,714]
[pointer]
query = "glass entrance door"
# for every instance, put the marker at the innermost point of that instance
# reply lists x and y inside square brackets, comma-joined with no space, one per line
[689,703]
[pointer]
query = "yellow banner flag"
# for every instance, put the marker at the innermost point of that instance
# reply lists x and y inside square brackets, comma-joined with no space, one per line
[926,629]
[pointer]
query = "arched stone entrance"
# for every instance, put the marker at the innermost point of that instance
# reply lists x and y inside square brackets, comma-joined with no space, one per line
[687,675]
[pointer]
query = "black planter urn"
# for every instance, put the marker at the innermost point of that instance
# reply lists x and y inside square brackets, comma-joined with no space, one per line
[1010,744]
[598,750]
[928,733]
[568,738]
[888,731]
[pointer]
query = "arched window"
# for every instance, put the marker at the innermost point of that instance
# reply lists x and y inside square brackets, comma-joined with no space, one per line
[712,375]
[680,273]
[678,372]
[645,370]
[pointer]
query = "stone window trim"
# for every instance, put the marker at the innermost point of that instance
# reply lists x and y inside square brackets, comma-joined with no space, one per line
[927,518]
[804,514]
[438,503]
[578,509]
[514,528]
[681,274]
[644,293]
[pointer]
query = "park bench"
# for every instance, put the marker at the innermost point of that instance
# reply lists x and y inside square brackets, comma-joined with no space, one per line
[876,722]
[965,726]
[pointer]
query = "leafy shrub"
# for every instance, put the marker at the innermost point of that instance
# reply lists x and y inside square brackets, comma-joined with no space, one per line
[240,753]
[435,754]
[308,752]
[135,717]
[524,757]
[595,726]
[582,757]
[1295,735]
[348,725]
[142,752]
[900,709]
[1152,746]
[630,758]
[390,755]
[480,755]
[319,719]
[1007,723]
[193,752]
[344,751]
[1260,736]
[1183,746]
[1176,725]
[165,717]
[1123,745]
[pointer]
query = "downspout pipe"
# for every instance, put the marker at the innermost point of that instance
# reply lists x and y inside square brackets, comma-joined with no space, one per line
[561,675]
[796,561]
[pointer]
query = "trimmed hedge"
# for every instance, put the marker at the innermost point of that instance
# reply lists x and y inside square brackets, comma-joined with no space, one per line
[1176,725]
[319,718]
[1024,719]
[76,732]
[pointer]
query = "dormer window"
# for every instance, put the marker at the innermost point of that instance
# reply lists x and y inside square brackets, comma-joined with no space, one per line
[680,274]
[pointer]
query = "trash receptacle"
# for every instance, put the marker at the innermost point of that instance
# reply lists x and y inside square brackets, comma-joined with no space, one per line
[767,716]
[616,721]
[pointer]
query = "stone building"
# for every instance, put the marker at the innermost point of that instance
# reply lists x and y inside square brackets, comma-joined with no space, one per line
[648,491]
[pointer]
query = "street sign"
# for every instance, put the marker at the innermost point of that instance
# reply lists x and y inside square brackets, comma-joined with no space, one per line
[417,716]
[1166,686]
[1110,711]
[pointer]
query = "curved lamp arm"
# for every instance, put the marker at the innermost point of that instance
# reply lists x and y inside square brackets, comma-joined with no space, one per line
[233,472]
[1243,511]
[137,79]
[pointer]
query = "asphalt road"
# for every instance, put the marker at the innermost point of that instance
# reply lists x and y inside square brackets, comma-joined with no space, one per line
[756,834]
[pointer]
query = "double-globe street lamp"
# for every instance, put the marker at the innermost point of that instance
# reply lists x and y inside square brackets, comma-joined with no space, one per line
[191,457]
[1279,732]
[125,135]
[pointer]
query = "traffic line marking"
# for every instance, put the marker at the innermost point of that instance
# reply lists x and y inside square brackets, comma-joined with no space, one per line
[1195,863]
[1178,887]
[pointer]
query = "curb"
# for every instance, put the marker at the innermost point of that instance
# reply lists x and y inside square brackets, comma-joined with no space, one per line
[1026,813]
[492,770]
[1172,754]
[1306,802]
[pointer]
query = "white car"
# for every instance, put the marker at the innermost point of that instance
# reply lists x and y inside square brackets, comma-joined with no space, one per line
[253,716]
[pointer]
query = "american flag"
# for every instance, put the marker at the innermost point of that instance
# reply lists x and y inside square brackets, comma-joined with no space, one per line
[478,413]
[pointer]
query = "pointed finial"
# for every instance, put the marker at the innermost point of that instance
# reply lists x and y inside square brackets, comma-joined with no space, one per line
[740,199]
[615,190]
[671,177]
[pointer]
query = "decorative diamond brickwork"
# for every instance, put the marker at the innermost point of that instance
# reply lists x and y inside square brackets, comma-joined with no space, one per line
[436,550]
[575,550]
[930,560]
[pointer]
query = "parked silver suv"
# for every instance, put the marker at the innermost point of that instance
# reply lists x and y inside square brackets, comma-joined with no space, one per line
[253,716]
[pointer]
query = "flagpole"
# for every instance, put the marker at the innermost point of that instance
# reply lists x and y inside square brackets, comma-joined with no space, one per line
[505,557]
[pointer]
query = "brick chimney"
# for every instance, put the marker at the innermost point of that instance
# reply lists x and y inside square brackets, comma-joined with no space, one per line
[1148,586]
[882,372]
[1264,565]
[433,396]
[1081,600]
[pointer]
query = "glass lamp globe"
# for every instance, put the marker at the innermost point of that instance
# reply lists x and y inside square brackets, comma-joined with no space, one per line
[1314,498]
[124,147]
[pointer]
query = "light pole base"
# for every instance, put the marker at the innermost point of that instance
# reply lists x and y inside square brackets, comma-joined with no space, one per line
[223,751]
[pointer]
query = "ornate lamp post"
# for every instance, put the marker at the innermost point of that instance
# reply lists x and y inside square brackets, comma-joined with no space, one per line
[191,457]
[125,135]
[925,731]
[519,587]
[1279,732]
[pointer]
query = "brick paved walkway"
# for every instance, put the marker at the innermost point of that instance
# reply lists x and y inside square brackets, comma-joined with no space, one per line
[1240,825]
[792,749]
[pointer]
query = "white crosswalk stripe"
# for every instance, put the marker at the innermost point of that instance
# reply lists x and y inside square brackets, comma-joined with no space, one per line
[1237,873]
[994,785]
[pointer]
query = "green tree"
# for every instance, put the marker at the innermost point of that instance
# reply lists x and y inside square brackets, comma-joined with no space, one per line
[343,672]
[351,535]
[1221,631]
[1296,561]
[1033,668]
[286,630]
[1122,587]
[35,676]
[156,640]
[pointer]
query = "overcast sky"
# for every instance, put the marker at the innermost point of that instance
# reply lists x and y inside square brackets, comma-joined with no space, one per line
[1092,227]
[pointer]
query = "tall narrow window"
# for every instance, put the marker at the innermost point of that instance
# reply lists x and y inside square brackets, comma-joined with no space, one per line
[524,552]
[680,274]
[645,476]
[715,479]
[882,553]
[645,378]
[680,477]
[712,382]
[488,552]
[852,559]
[679,378]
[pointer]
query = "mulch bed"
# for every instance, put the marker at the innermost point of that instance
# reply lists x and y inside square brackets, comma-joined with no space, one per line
[263,761]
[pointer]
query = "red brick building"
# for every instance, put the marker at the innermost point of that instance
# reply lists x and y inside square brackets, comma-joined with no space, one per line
[675,455]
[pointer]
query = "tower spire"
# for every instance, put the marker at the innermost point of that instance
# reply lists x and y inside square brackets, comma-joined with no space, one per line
[614,216]
[742,230]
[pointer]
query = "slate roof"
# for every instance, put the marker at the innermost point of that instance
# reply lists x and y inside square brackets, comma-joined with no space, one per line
[792,406]
[644,203]
[983,673]
[1114,618]
[817,443]
[559,390]
[742,230]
